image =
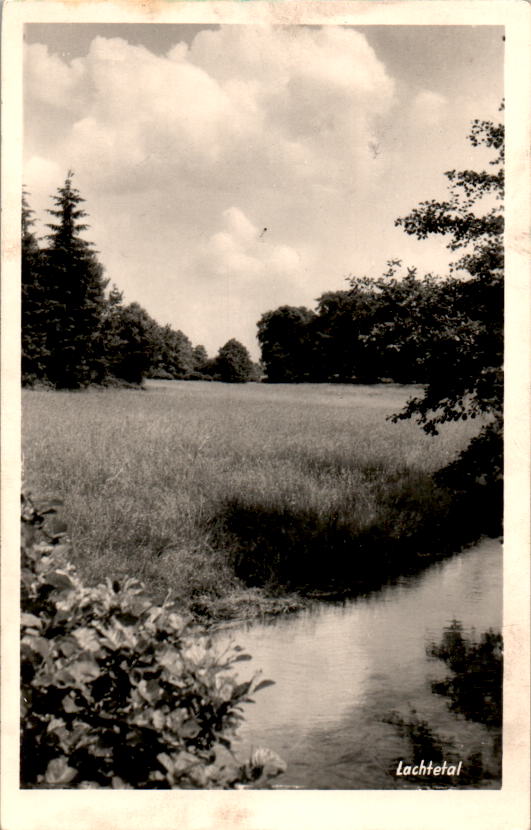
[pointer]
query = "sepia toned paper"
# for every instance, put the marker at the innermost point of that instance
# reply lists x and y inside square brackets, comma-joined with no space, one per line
[27,23]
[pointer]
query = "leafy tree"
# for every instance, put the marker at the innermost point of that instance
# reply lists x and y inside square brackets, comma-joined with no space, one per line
[357,336]
[74,288]
[210,369]
[465,357]
[71,334]
[34,308]
[177,354]
[372,330]
[336,333]
[257,371]
[403,314]
[200,358]
[112,329]
[286,341]
[128,336]
[233,363]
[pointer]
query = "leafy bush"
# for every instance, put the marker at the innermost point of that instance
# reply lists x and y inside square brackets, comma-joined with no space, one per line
[160,374]
[119,692]
[195,375]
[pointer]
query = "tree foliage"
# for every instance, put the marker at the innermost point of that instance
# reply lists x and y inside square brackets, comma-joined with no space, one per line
[466,356]
[74,296]
[233,363]
[128,339]
[34,322]
[285,338]
[376,329]
[199,358]
[118,692]
[336,331]
[75,334]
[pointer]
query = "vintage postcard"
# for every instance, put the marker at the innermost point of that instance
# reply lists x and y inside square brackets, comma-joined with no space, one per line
[265,372]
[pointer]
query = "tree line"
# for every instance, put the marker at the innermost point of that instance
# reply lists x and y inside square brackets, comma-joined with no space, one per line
[375,330]
[76,333]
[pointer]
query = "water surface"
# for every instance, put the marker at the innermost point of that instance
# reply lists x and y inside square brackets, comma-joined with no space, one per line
[340,669]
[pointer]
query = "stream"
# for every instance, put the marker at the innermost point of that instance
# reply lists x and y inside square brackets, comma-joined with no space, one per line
[341,669]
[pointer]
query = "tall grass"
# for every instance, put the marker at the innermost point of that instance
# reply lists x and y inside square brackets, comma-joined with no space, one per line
[195,486]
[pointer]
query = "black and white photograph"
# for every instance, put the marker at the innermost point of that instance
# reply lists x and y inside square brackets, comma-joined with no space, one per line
[264,314]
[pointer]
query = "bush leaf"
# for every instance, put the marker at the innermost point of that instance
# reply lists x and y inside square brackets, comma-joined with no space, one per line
[264,684]
[58,772]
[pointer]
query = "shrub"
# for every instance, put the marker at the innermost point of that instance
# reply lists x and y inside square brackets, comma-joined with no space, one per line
[476,477]
[195,375]
[161,374]
[119,692]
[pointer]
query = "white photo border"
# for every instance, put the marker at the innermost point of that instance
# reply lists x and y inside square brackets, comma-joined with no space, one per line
[265,810]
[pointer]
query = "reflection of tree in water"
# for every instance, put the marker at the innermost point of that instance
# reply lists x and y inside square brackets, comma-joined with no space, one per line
[474,692]
[475,688]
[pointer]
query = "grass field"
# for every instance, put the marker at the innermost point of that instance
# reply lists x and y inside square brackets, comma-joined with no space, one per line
[200,488]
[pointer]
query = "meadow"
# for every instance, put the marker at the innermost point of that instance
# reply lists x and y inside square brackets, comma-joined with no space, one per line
[226,496]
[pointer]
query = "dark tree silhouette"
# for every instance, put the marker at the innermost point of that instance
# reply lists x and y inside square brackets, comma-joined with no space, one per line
[34,307]
[286,340]
[74,287]
[233,363]
[465,359]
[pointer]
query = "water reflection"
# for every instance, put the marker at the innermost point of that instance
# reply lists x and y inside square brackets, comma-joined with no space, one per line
[339,668]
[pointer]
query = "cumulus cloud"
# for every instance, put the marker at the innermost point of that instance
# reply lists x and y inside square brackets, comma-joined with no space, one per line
[185,158]
[242,272]
[242,103]
[239,226]
[428,108]
[243,251]
[50,80]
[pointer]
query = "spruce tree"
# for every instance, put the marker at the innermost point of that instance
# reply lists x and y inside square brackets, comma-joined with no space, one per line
[34,307]
[74,286]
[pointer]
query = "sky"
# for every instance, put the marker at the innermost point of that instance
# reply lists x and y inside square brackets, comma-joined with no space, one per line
[228,170]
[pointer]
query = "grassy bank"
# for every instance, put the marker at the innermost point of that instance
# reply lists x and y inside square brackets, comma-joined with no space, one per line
[206,489]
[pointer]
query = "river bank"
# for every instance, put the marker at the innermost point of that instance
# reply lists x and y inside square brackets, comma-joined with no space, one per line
[248,605]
